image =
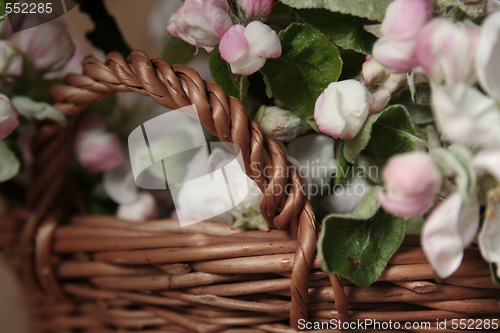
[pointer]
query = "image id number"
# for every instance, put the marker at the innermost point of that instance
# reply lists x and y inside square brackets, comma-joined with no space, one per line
[28,8]
[474,324]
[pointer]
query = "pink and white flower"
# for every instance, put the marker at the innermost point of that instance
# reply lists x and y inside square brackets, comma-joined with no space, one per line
[446,51]
[48,47]
[201,23]
[256,9]
[487,56]
[247,48]
[96,148]
[9,117]
[342,109]
[412,182]
[11,62]
[403,21]
[143,209]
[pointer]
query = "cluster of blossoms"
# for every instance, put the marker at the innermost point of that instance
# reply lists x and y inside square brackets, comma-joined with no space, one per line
[454,56]
[245,45]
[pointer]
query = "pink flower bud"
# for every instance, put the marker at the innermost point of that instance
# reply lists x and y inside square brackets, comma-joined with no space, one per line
[247,48]
[380,99]
[255,9]
[412,182]
[8,117]
[446,51]
[48,47]
[96,149]
[403,21]
[144,208]
[341,110]
[11,62]
[404,18]
[374,73]
[201,23]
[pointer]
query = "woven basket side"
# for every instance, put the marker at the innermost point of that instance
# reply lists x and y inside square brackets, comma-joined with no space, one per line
[174,87]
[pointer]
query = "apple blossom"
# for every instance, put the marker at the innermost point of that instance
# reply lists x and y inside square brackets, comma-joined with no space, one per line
[247,48]
[401,25]
[48,48]
[446,51]
[374,73]
[280,124]
[453,224]
[488,57]
[465,115]
[11,62]
[256,9]
[412,182]
[8,117]
[144,208]
[341,110]
[201,23]
[97,149]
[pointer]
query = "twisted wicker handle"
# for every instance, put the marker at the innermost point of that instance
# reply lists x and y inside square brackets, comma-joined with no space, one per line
[224,116]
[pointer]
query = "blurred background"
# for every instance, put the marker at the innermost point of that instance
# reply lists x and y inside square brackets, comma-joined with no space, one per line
[142,23]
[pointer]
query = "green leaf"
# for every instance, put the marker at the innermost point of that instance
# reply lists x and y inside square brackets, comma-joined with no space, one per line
[372,9]
[358,247]
[494,277]
[418,106]
[393,133]
[342,167]
[346,31]
[176,51]
[353,147]
[414,226]
[9,164]
[223,76]
[309,62]
[37,110]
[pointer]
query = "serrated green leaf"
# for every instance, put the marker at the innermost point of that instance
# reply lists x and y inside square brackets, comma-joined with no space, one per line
[176,51]
[37,110]
[309,62]
[223,76]
[393,133]
[346,31]
[9,164]
[372,9]
[359,248]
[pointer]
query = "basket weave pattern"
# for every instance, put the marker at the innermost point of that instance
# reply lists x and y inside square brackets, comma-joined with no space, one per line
[100,274]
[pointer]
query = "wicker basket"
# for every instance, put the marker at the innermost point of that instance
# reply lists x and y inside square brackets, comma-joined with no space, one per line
[88,273]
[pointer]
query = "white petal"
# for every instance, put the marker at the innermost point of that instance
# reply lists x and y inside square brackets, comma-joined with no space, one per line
[488,55]
[450,228]
[489,236]
[487,160]
[465,115]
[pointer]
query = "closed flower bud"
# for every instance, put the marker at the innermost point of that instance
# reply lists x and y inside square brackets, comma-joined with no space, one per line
[247,48]
[341,110]
[201,23]
[412,182]
[255,9]
[48,48]
[280,124]
[11,62]
[143,209]
[97,149]
[446,51]
[380,99]
[374,73]
[8,117]
[403,21]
